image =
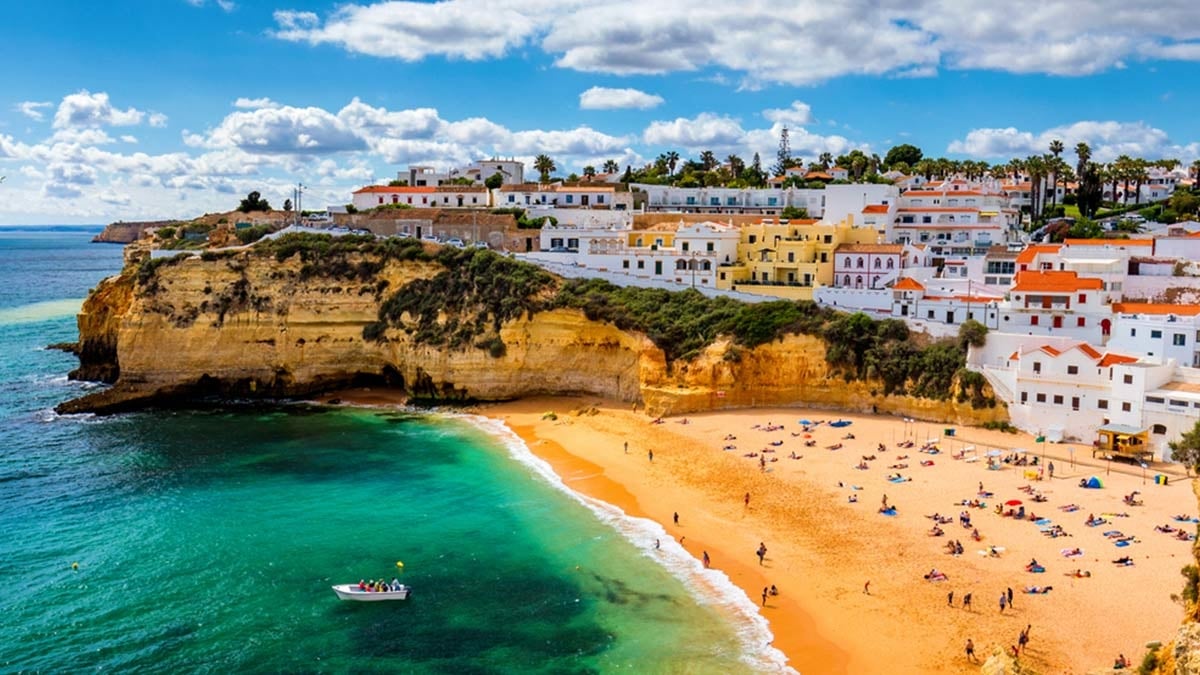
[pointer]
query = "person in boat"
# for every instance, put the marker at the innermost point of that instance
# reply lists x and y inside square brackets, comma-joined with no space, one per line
[362,585]
[395,585]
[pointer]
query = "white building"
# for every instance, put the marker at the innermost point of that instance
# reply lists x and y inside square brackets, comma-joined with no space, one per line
[1157,331]
[686,255]
[563,196]
[955,222]
[1058,303]
[512,171]
[455,196]
[723,200]
[847,202]
[941,306]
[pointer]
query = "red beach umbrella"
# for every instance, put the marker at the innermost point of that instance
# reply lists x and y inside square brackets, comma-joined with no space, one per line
[1013,502]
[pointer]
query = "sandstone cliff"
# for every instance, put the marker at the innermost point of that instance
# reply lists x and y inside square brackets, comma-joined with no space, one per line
[124,233]
[247,324]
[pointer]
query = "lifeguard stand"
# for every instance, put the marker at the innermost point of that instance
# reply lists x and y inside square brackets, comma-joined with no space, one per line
[1123,441]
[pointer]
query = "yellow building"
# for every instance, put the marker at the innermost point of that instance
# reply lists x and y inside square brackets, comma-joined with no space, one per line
[788,259]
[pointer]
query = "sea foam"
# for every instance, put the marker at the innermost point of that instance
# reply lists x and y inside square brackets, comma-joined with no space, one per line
[708,586]
[40,311]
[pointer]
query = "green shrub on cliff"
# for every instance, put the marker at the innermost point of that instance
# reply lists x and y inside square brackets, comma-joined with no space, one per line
[351,256]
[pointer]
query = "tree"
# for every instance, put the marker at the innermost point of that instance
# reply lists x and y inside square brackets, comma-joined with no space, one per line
[1186,450]
[254,202]
[396,182]
[287,205]
[736,166]
[708,159]
[611,166]
[783,156]
[1184,202]
[1091,190]
[672,158]
[1056,148]
[544,166]
[909,154]
[494,181]
[972,333]
[794,213]
[1083,152]
[826,160]
[589,172]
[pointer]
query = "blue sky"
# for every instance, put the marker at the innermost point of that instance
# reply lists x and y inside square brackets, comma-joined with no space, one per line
[170,108]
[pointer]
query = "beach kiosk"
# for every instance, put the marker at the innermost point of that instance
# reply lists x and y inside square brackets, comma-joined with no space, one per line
[1121,441]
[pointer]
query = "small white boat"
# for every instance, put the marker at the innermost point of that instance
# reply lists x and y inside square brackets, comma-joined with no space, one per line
[353,592]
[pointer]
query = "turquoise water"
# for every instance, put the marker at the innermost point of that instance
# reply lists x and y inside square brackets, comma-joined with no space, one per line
[207,541]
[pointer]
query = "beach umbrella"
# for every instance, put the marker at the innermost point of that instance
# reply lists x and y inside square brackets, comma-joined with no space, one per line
[806,422]
[993,453]
[1160,479]
[1013,502]
[1094,482]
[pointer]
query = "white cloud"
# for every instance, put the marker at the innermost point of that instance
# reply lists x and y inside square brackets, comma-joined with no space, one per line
[285,130]
[32,109]
[799,114]
[255,103]
[605,98]
[227,5]
[126,138]
[1107,139]
[721,134]
[706,131]
[84,109]
[767,41]
[114,198]
[82,136]
[157,120]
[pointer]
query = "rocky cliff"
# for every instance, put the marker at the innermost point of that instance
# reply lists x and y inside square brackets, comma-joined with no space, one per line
[253,324]
[124,233]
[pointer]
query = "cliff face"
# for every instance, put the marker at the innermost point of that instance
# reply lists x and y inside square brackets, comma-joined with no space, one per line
[248,325]
[124,233]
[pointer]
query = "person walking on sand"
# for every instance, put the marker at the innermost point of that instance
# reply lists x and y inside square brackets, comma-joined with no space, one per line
[1022,640]
[967,601]
[627,447]
[764,596]
[867,587]
[1003,602]
[971,651]
[676,517]
[1010,598]
[762,552]
[950,599]
[706,560]
[1051,470]
[746,500]
[650,455]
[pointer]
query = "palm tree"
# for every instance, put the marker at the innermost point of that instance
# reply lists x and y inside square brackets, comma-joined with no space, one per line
[825,160]
[736,166]
[1056,148]
[611,166]
[858,164]
[708,160]
[589,172]
[1124,168]
[1140,174]
[545,166]
[1037,169]
[1083,152]
[1195,169]
[672,160]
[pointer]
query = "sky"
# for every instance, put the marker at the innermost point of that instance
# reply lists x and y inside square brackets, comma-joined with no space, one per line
[147,109]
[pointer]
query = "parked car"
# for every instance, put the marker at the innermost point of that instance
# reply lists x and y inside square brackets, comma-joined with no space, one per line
[456,242]
[480,244]
[560,249]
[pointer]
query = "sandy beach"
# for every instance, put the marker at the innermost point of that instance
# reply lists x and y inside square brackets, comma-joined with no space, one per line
[822,548]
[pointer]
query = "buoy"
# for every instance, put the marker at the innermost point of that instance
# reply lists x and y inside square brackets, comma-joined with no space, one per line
[75,566]
[399,564]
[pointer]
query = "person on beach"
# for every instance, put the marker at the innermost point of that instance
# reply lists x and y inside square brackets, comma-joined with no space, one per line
[1003,602]
[1051,470]
[650,455]
[762,552]
[950,599]
[967,601]
[657,544]
[764,596]
[774,591]
[867,587]
[746,500]
[676,517]
[1010,598]
[971,651]
[627,447]
[706,560]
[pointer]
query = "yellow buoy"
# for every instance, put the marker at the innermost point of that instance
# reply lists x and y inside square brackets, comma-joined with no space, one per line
[399,564]
[74,565]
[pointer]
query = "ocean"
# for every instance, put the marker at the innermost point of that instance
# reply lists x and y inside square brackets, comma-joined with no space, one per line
[207,541]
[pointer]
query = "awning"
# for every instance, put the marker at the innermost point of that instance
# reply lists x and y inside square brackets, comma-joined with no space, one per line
[1123,429]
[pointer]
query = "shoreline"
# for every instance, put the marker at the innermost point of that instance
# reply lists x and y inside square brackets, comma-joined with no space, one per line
[821,549]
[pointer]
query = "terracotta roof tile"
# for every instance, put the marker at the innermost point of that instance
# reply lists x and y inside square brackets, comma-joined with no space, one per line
[1031,252]
[395,190]
[1154,308]
[1109,242]
[1055,281]
[1115,359]
[908,284]
[875,208]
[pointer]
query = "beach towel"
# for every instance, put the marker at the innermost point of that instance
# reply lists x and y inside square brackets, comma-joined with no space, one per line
[1037,570]
[1042,521]
[1186,520]
[1097,522]
[1070,553]
[1121,544]
[1070,508]
[902,479]
[1113,533]
[889,512]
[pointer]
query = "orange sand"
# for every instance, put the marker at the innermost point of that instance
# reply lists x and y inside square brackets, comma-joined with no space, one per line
[821,548]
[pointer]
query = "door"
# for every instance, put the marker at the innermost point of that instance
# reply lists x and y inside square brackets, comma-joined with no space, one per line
[658,267]
[583,200]
[528,244]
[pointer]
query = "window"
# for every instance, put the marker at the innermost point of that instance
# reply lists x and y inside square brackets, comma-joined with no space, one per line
[641,264]
[1176,402]
[846,281]
[1128,379]
[1126,407]
[891,263]
[625,264]
[1159,429]
[860,263]
[714,201]
[1179,339]
[1024,397]
[1082,298]
[1102,404]
[1080,322]
[1155,334]
[684,247]
[1154,399]
[1033,320]
[1072,370]
[1132,332]
[1041,398]
[1037,366]
[1058,399]
[1074,403]
[753,238]
[929,315]
[791,256]
[709,247]
[599,199]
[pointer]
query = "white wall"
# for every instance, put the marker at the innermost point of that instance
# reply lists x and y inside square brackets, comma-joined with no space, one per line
[844,200]
[560,264]
[1155,289]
